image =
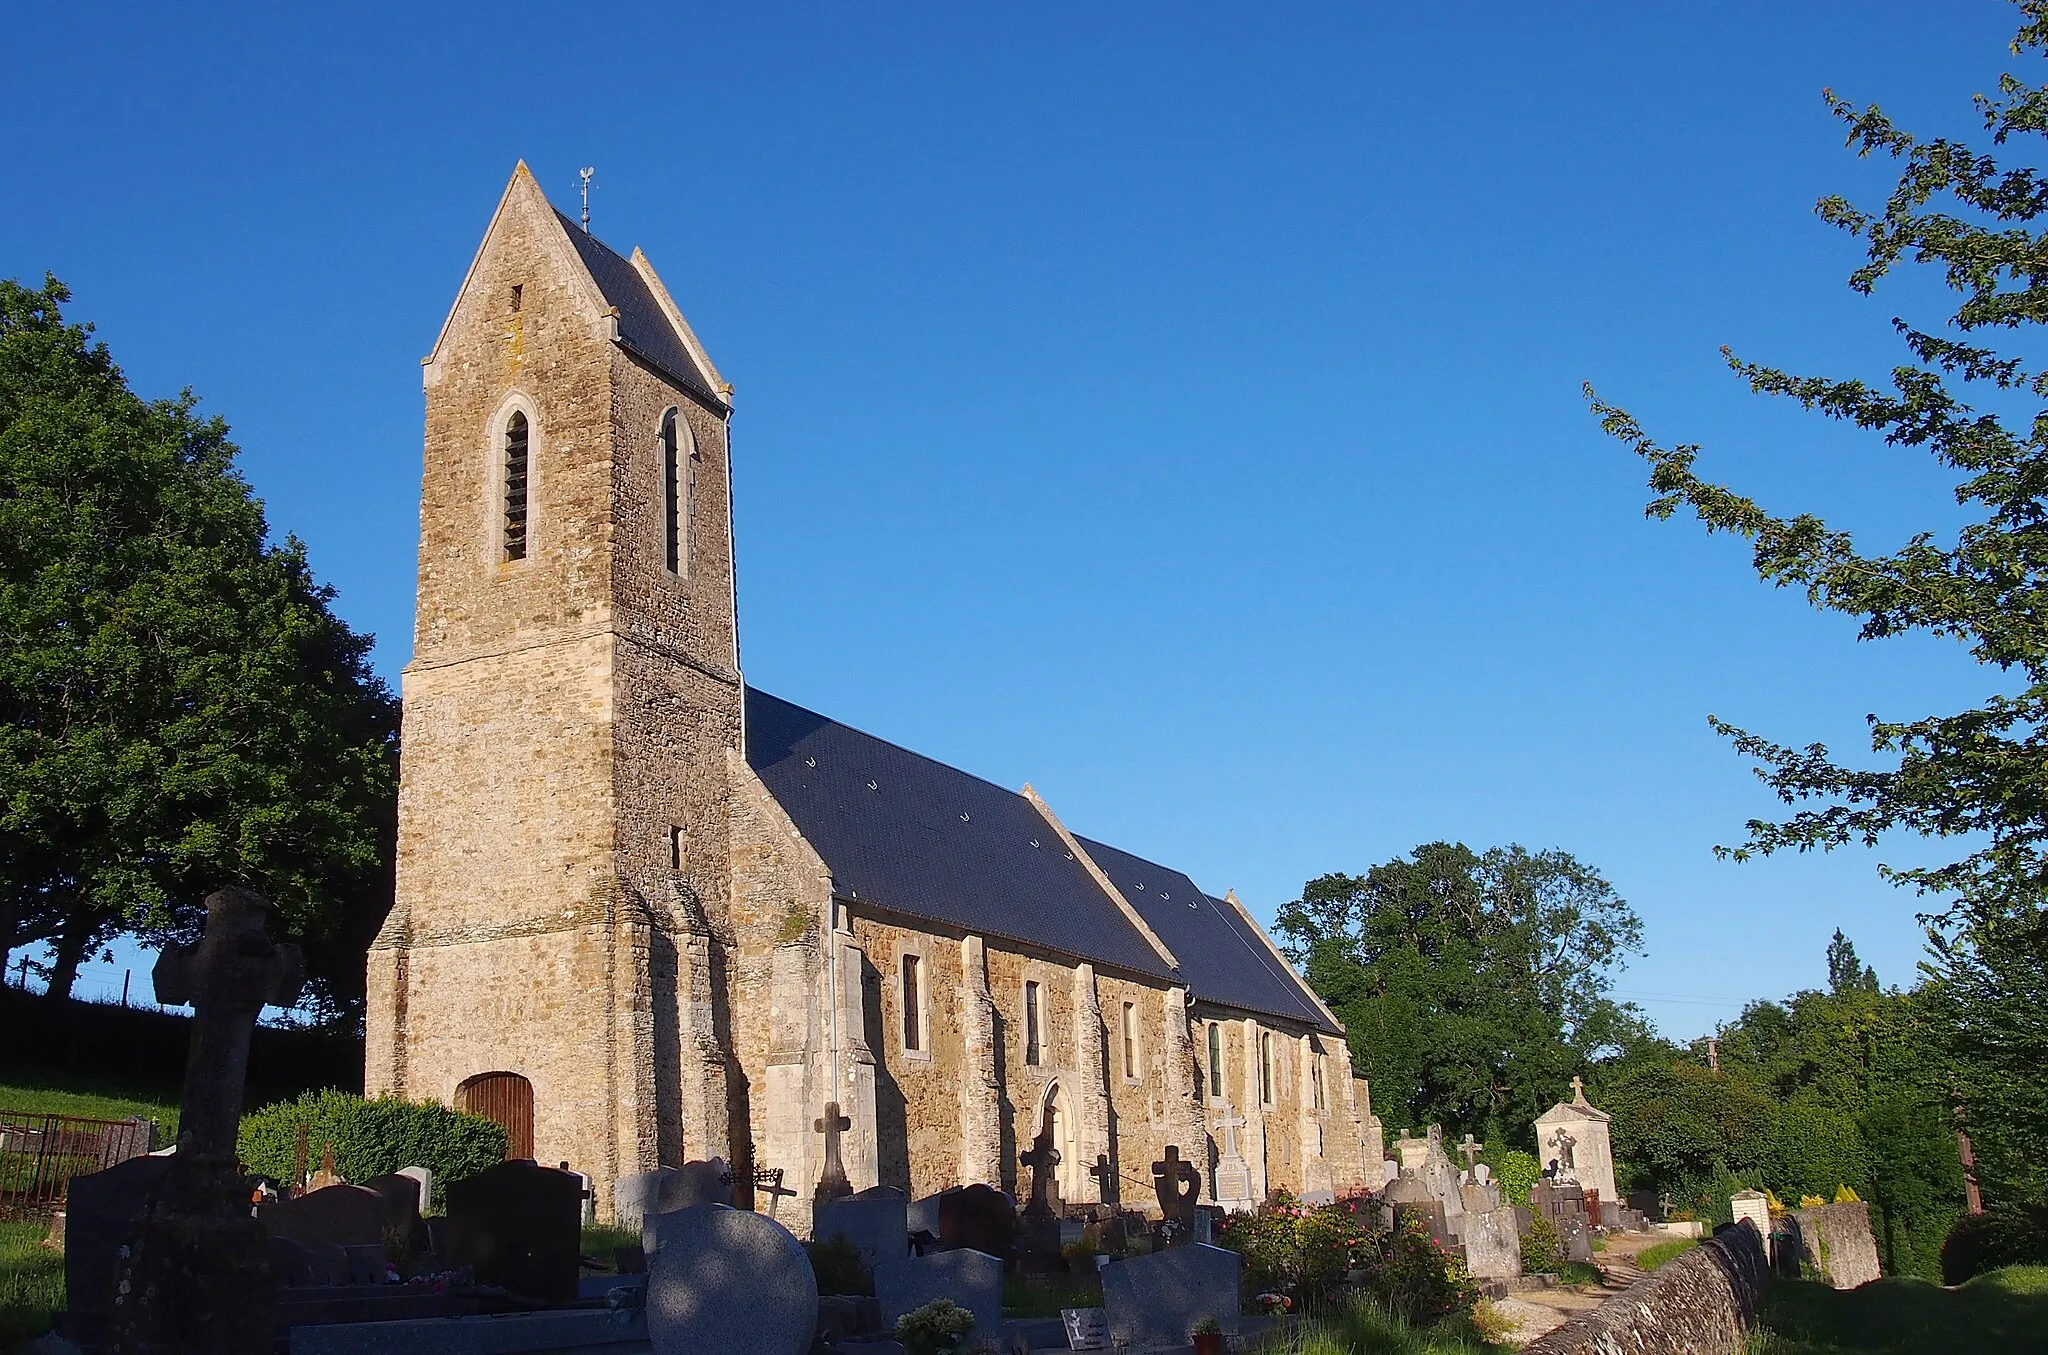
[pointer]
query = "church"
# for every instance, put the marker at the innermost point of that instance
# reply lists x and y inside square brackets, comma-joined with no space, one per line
[648,913]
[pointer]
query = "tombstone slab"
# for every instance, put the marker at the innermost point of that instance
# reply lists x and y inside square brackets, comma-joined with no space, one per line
[102,1210]
[425,1176]
[1578,1138]
[1158,1299]
[728,1279]
[877,1226]
[1493,1245]
[334,1216]
[636,1197]
[520,1225]
[972,1279]
[1754,1206]
[980,1217]
[1835,1239]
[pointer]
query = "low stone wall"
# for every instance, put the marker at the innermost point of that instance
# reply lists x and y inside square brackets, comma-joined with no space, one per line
[1835,1239]
[1700,1304]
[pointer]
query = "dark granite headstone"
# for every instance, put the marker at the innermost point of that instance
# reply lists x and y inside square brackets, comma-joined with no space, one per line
[979,1217]
[520,1226]
[102,1209]
[339,1216]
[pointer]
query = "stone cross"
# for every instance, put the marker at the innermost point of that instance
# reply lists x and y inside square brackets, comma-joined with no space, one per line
[832,1182]
[1469,1150]
[769,1180]
[1229,1122]
[1579,1091]
[1042,1158]
[196,1275]
[1169,1176]
[1105,1177]
[227,977]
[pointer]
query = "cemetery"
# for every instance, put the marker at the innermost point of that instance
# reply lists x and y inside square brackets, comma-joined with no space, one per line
[637,1010]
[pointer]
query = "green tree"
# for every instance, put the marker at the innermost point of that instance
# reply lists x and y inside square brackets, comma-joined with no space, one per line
[179,707]
[1473,986]
[1978,775]
[1845,972]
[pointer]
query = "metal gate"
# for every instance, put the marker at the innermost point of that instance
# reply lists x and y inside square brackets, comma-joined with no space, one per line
[39,1154]
[506,1098]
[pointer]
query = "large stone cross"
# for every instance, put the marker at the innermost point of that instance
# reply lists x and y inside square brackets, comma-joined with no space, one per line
[1230,1122]
[194,1276]
[1105,1178]
[1042,1158]
[227,977]
[1469,1150]
[1579,1091]
[832,1182]
[1169,1176]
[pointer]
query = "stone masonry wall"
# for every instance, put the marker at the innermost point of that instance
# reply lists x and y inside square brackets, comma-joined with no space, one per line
[1703,1303]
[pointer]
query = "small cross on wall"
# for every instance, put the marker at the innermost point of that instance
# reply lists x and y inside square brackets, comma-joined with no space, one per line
[1469,1150]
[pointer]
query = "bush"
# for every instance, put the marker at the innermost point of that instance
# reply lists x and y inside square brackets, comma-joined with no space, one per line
[836,1263]
[1296,1249]
[370,1138]
[940,1325]
[1415,1278]
[1543,1247]
[1516,1171]
[2005,1235]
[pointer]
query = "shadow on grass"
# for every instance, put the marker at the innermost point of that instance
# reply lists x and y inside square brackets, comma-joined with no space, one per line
[2003,1313]
[31,1282]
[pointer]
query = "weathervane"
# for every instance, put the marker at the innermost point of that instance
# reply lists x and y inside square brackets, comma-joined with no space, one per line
[585,173]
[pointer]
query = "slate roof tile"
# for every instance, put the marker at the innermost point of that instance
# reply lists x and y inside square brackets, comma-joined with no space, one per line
[643,326]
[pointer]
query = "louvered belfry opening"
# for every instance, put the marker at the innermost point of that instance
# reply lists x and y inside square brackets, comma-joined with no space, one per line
[515,486]
[507,1099]
[671,479]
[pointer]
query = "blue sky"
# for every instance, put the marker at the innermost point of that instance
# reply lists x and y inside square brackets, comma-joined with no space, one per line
[1176,407]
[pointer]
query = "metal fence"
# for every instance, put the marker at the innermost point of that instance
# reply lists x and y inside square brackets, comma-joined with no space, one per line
[39,1154]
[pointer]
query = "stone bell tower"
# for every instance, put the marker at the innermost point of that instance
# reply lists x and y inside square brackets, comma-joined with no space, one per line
[555,956]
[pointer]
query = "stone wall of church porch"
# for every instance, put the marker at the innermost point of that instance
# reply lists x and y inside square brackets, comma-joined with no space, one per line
[1146,1114]
[917,1093]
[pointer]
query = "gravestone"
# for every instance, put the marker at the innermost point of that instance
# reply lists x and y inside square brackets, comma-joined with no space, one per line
[520,1225]
[197,1274]
[876,1225]
[1440,1178]
[333,1216]
[707,1181]
[972,1279]
[1177,1184]
[1493,1244]
[832,1181]
[102,1211]
[1835,1239]
[980,1217]
[1158,1299]
[728,1279]
[1233,1173]
[327,1175]
[1044,1161]
[1578,1140]
[404,1235]
[922,1216]
[636,1197]
[1755,1206]
[1407,1196]
[425,1177]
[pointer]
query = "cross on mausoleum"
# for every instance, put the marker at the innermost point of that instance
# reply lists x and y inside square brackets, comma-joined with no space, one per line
[1578,1091]
[832,1182]
[1469,1150]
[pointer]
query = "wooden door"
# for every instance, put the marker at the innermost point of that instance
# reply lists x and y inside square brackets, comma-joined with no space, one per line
[506,1098]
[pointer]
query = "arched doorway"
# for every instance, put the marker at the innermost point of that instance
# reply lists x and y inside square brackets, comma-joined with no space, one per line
[506,1098]
[1071,1169]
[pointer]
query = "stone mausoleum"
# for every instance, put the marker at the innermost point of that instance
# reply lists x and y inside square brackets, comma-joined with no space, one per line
[647,913]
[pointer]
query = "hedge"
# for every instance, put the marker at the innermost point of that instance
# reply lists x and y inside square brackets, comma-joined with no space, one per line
[370,1138]
[2003,1235]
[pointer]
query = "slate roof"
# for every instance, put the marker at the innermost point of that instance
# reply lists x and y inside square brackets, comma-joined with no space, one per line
[912,835]
[1222,960]
[643,326]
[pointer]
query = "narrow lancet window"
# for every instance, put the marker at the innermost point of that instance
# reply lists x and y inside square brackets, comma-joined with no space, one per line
[1215,1061]
[1031,1016]
[913,997]
[515,486]
[672,473]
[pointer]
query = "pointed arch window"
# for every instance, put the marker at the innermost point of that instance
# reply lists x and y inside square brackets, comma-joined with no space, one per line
[678,491]
[517,451]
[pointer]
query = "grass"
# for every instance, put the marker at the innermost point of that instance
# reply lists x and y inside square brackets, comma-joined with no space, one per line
[31,1282]
[28,1089]
[2002,1313]
[1365,1328]
[1578,1272]
[1650,1258]
[599,1240]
